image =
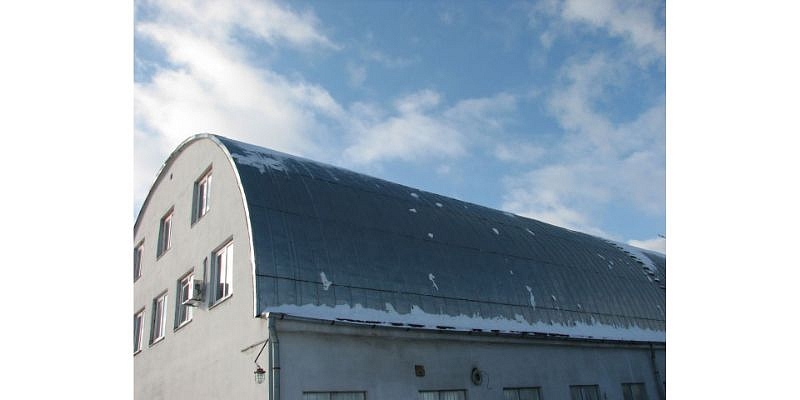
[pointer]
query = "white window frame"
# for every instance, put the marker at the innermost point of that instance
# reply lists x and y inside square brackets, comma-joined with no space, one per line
[439,393]
[515,393]
[347,395]
[165,233]
[183,313]
[202,196]
[138,251]
[158,324]
[627,390]
[138,331]
[222,273]
[585,392]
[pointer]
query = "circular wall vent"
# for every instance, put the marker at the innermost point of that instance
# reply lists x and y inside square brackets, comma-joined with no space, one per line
[476,376]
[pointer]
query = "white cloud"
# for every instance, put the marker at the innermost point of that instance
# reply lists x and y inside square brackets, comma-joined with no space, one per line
[209,85]
[265,19]
[658,244]
[357,74]
[519,152]
[600,162]
[419,131]
[634,20]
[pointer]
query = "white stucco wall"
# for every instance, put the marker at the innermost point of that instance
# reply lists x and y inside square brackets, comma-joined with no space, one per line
[203,359]
[380,361]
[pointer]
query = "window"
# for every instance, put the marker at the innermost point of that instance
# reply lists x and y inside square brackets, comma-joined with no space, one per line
[584,392]
[222,272]
[183,313]
[442,395]
[138,329]
[165,233]
[531,393]
[202,190]
[159,318]
[633,391]
[137,261]
[334,395]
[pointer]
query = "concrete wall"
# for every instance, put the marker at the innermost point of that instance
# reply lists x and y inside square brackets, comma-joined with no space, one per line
[202,359]
[380,361]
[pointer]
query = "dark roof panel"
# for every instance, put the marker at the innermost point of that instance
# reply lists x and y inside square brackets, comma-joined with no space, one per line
[334,244]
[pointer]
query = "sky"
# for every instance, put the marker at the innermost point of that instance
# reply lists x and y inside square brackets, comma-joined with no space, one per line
[554,110]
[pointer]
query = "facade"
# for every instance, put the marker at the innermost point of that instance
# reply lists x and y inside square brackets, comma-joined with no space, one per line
[344,286]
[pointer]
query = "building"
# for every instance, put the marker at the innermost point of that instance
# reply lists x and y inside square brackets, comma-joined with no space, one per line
[343,286]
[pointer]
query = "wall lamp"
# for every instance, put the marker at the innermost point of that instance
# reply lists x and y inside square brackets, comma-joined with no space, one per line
[259,374]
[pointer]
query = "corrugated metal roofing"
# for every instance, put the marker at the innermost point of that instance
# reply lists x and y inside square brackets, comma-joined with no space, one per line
[335,244]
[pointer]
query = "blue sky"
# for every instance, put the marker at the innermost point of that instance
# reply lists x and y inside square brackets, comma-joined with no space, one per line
[553,110]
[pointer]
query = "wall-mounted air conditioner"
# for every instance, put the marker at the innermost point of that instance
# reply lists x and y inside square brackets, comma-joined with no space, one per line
[196,294]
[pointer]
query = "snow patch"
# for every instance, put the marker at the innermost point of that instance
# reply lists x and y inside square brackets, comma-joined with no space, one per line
[414,195]
[529,231]
[496,232]
[531,299]
[638,255]
[413,210]
[325,282]
[430,235]
[439,205]
[259,160]
[467,323]
[432,279]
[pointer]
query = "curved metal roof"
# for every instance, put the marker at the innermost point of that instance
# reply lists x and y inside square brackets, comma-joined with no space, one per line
[334,244]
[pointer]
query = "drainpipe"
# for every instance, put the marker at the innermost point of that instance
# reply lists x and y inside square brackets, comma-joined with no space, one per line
[274,360]
[654,365]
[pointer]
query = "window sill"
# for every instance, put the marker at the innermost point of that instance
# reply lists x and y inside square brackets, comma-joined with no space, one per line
[182,324]
[222,300]
[197,220]
[163,253]
[157,341]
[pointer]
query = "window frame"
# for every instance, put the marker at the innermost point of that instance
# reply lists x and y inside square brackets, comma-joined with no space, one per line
[159,318]
[538,390]
[201,195]
[439,393]
[335,392]
[183,313]
[138,253]
[138,332]
[214,296]
[581,387]
[628,385]
[165,239]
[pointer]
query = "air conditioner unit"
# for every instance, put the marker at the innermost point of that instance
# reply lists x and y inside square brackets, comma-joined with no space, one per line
[196,294]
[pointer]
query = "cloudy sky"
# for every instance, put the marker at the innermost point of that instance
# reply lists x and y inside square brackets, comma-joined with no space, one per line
[553,110]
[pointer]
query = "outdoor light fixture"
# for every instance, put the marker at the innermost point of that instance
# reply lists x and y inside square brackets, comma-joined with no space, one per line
[259,374]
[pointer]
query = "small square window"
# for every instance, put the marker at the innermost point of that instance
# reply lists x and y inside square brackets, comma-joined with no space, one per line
[159,318]
[138,330]
[222,273]
[202,196]
[584,392]
[183,312]
[165,233]
[442,395]
[633,391]
[137,261]
[531,393]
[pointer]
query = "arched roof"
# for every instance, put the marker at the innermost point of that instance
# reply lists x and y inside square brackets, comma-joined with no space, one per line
[334,244]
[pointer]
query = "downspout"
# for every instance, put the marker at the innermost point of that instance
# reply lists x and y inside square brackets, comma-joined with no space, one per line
[274,360]
[654,365]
